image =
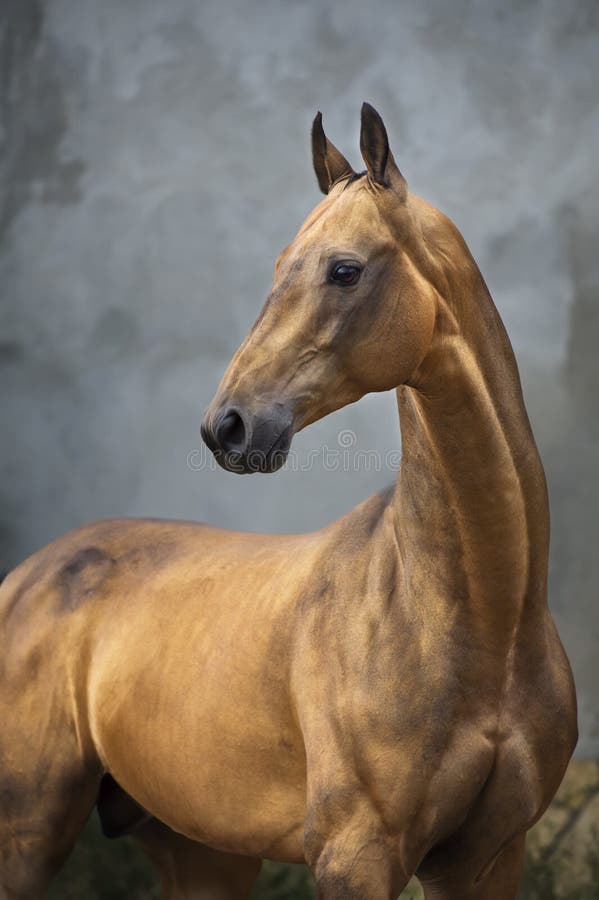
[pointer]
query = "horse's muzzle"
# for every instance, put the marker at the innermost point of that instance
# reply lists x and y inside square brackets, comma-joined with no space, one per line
[245,443]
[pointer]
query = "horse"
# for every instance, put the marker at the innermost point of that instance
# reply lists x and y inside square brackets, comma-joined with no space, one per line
[385,697]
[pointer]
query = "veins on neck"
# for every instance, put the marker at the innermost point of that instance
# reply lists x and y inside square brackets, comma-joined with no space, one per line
[470,499]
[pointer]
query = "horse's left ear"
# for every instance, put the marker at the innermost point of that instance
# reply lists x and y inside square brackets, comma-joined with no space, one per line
[374,145]
[329,164]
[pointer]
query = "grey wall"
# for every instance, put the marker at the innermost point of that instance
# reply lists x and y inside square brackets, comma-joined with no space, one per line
[155,158]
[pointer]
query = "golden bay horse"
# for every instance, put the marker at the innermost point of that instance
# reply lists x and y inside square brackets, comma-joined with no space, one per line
[385,697]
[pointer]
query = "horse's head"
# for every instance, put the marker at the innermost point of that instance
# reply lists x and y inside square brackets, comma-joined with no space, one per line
[349,311]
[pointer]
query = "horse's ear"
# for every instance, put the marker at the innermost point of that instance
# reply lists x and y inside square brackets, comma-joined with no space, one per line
[329,164]
[374,145]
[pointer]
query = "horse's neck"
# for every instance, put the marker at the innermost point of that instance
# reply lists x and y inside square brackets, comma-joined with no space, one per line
[470,502]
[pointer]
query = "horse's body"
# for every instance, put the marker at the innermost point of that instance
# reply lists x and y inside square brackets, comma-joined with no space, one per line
[382,697]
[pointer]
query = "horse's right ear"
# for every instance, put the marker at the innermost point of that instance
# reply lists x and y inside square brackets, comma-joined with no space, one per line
[374,144]
[329,164]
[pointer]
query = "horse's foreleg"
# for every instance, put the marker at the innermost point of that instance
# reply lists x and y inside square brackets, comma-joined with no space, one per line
[459,882]
[357,862]
[192,871]
[366,873]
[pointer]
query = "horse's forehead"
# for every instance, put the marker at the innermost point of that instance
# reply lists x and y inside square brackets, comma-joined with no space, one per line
[350,215]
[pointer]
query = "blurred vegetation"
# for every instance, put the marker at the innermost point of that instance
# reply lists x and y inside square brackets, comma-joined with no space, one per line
[100,869]
[544,879]
[277,881]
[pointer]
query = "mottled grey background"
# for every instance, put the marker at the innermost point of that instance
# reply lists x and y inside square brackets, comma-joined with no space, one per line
[154,160]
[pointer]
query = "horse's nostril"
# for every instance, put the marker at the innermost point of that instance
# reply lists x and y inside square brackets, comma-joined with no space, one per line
[206,435]
[231,433]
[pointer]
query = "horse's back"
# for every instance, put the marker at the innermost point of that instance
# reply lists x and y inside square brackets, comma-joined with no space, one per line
[82,566]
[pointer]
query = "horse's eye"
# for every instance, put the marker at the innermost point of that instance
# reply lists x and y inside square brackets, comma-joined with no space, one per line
[345,274]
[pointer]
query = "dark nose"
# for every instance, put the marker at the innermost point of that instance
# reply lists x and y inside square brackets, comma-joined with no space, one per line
[246,442]
[231,433]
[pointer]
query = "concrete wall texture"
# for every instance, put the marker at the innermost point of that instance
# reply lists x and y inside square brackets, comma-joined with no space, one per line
[154,160]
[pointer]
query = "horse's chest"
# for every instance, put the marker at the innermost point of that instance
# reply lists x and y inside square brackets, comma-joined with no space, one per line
[439,761]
